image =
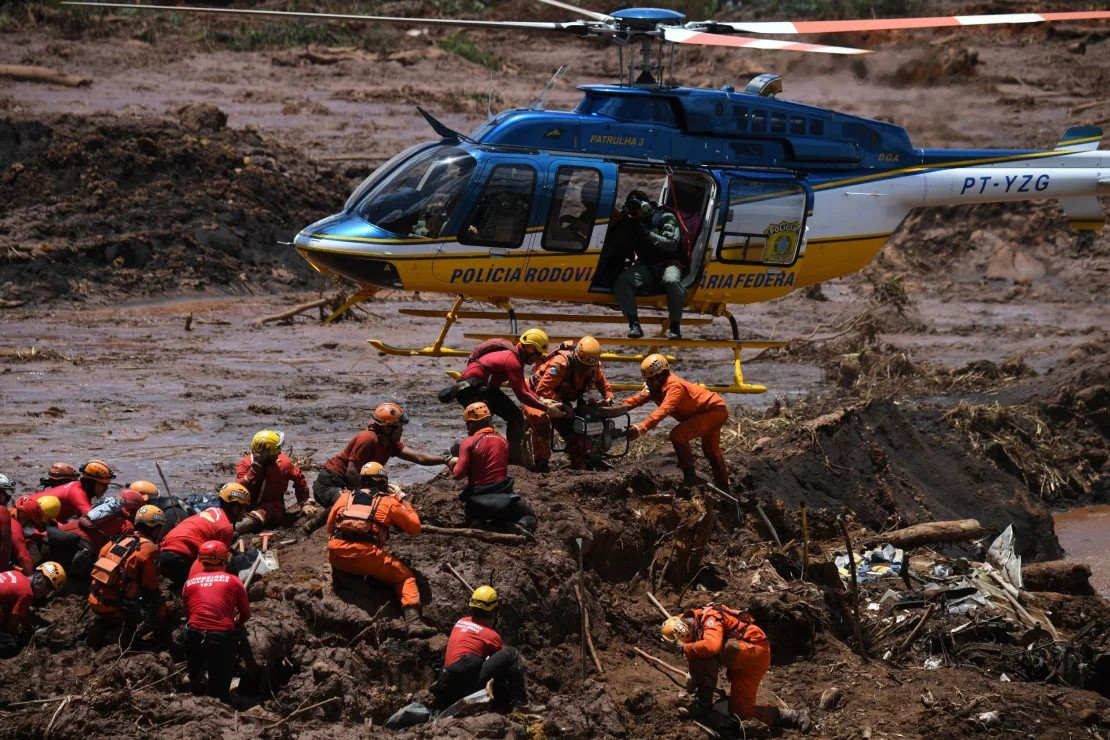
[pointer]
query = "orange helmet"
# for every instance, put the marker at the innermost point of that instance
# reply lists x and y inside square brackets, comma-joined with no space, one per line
[214,552]
[373,470]
[654,365]
[62,472]
[588,351]
[388,414]
[144,487]
[131,501]
[476,412]
[97,470]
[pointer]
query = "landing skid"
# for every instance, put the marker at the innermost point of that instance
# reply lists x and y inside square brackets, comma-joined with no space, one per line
[652,344]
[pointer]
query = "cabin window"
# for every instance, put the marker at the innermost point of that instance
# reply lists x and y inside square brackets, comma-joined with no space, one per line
[740,115]
[501,217]
[797,125]
[778,123]
[637,108]
[759,120]
[418,197]
[570,221]
[765,222]
[816,127]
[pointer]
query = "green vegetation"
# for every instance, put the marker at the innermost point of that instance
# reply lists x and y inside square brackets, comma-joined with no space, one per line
[462,45]
[282,34]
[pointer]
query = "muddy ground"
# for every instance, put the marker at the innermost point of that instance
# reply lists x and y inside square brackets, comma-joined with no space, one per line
[963,374]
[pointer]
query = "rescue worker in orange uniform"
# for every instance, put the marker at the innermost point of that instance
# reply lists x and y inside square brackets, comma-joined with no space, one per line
[266,473]
[59,473]
[32,516]
[95,475]
[13,548]
[565,376]
[359,524]
[484,461]
[17,594]
[125,581]
[700,413]
[715,636]
[75,543]
[218,607]
[181,544]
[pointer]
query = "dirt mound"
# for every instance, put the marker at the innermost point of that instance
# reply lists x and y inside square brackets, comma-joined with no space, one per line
[98,207]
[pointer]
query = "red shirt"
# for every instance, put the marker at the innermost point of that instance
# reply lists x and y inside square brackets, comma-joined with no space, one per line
[187,537]
[216,601]
[364,447]
[75,502]
[483,458]
[503,366]
[470,638]
[100,532]
[275,479]
[15,598]
[17,553]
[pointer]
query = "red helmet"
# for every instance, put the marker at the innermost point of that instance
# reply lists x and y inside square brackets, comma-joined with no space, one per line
[214,553]
[132,501]
[62,472]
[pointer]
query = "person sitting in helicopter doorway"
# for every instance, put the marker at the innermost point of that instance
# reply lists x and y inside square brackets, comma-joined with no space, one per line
[659,259]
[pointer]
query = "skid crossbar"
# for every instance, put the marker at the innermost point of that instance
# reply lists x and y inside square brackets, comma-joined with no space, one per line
[553,317]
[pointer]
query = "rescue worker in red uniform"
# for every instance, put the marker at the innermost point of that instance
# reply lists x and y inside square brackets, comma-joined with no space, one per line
[181,544]
[13,548]
[475,654]
[217,606]
[700,413]
[95,475]
[564,376]
[125,585]
[17,594]
[484,462]
[266,473]
[715,636]
[58,474]
[358,525]
[32,516]
[497,361]
[380,441]
[75,543]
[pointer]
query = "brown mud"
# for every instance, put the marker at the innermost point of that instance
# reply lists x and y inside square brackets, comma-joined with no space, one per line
[963,374]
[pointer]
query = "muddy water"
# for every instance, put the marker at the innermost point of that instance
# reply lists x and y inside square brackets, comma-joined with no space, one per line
[1084,534]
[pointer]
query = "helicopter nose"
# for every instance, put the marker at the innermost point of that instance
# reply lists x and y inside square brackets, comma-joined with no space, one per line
[348,247]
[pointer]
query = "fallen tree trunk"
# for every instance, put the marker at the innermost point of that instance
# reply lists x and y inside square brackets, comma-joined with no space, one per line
[932,533]
[502,538]
[318,303]
[30,73]
[1060,576]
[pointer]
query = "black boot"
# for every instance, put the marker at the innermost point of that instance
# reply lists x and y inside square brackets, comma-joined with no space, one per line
[416,627]
[541,466]
[675,331]
[634,330]
[794,719]
[690,477]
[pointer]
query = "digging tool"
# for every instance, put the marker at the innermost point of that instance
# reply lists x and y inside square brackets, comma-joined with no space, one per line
[166,483]
[251,573]
[456,574]
[267,554]
[482,696]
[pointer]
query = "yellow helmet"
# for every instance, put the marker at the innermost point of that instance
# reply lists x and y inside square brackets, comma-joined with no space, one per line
[654,365]
[144,487]
[484,598]
[676,629]
[151,516]
[51,507]
[588,351]
[267,442]
[373,470]
[97,470]
[536,339]
[54,573]
[476,412]
[234,493]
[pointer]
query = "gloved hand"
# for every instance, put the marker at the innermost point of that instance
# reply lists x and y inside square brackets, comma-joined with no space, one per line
[634,432]
[310,508]
[451,462]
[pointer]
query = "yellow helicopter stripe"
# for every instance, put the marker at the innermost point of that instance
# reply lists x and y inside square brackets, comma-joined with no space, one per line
[938,166]
[1073,142]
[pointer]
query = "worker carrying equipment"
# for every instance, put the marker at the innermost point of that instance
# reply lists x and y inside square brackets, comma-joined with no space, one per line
[380,441]
[217,606]
[95,475]
[497,361]
[699,411]
[483,459]
[75,543]
[181,545]
[359,524]
[266,473]
[18,593]
[717,635]
[565,376]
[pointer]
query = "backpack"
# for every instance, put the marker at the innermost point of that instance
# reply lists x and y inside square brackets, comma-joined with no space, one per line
[355,521]
[497,344]
[107,571]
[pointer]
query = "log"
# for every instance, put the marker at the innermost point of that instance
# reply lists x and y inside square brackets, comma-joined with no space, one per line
[501,538]
[300,308]
[30,73]
[661,663]
[1060,576]
[932,533]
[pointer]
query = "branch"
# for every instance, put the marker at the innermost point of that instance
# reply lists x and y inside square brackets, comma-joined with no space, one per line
[28,73]
[300,308]
[502,538]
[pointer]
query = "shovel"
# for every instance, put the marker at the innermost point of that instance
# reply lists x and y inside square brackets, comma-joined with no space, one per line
[268,556]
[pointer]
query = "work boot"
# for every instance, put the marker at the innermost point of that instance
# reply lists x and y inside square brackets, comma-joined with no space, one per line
[634,330]
[541,466]
[248,525]
[674,332]
[448,394]
[416,627]
[690,477]
[795,719]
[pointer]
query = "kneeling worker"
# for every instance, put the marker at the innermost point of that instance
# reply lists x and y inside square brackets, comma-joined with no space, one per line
[699,411]
[17,594]
[716,635]
[359,528]
[182,544]
[217,605]
[266,473]
[484,462]
[475,654]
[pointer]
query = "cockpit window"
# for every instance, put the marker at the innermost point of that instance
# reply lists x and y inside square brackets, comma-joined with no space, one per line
[420,196]
[501,217]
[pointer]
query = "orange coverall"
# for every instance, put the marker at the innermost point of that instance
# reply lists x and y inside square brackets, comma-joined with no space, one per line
[562,379]
[139,577]
[741,647]
[370,559]
[700,412]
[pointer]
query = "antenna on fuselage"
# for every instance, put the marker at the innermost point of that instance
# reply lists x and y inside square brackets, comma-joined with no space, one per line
[489,100]
[537,104]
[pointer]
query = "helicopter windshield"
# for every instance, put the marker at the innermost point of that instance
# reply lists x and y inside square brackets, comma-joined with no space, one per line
[419,196]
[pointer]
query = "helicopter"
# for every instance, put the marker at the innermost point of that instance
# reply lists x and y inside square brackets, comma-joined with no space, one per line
[772,195]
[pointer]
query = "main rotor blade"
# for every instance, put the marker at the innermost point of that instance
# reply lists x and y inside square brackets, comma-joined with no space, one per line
[686,36]
[893,24]
[580,11]
[513,25]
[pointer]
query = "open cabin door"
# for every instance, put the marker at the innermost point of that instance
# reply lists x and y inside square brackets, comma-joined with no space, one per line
[765,221]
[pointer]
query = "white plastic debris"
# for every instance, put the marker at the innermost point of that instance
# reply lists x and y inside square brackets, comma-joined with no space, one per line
[1002,556]
[1004,677]
[933,662]
[989,718]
